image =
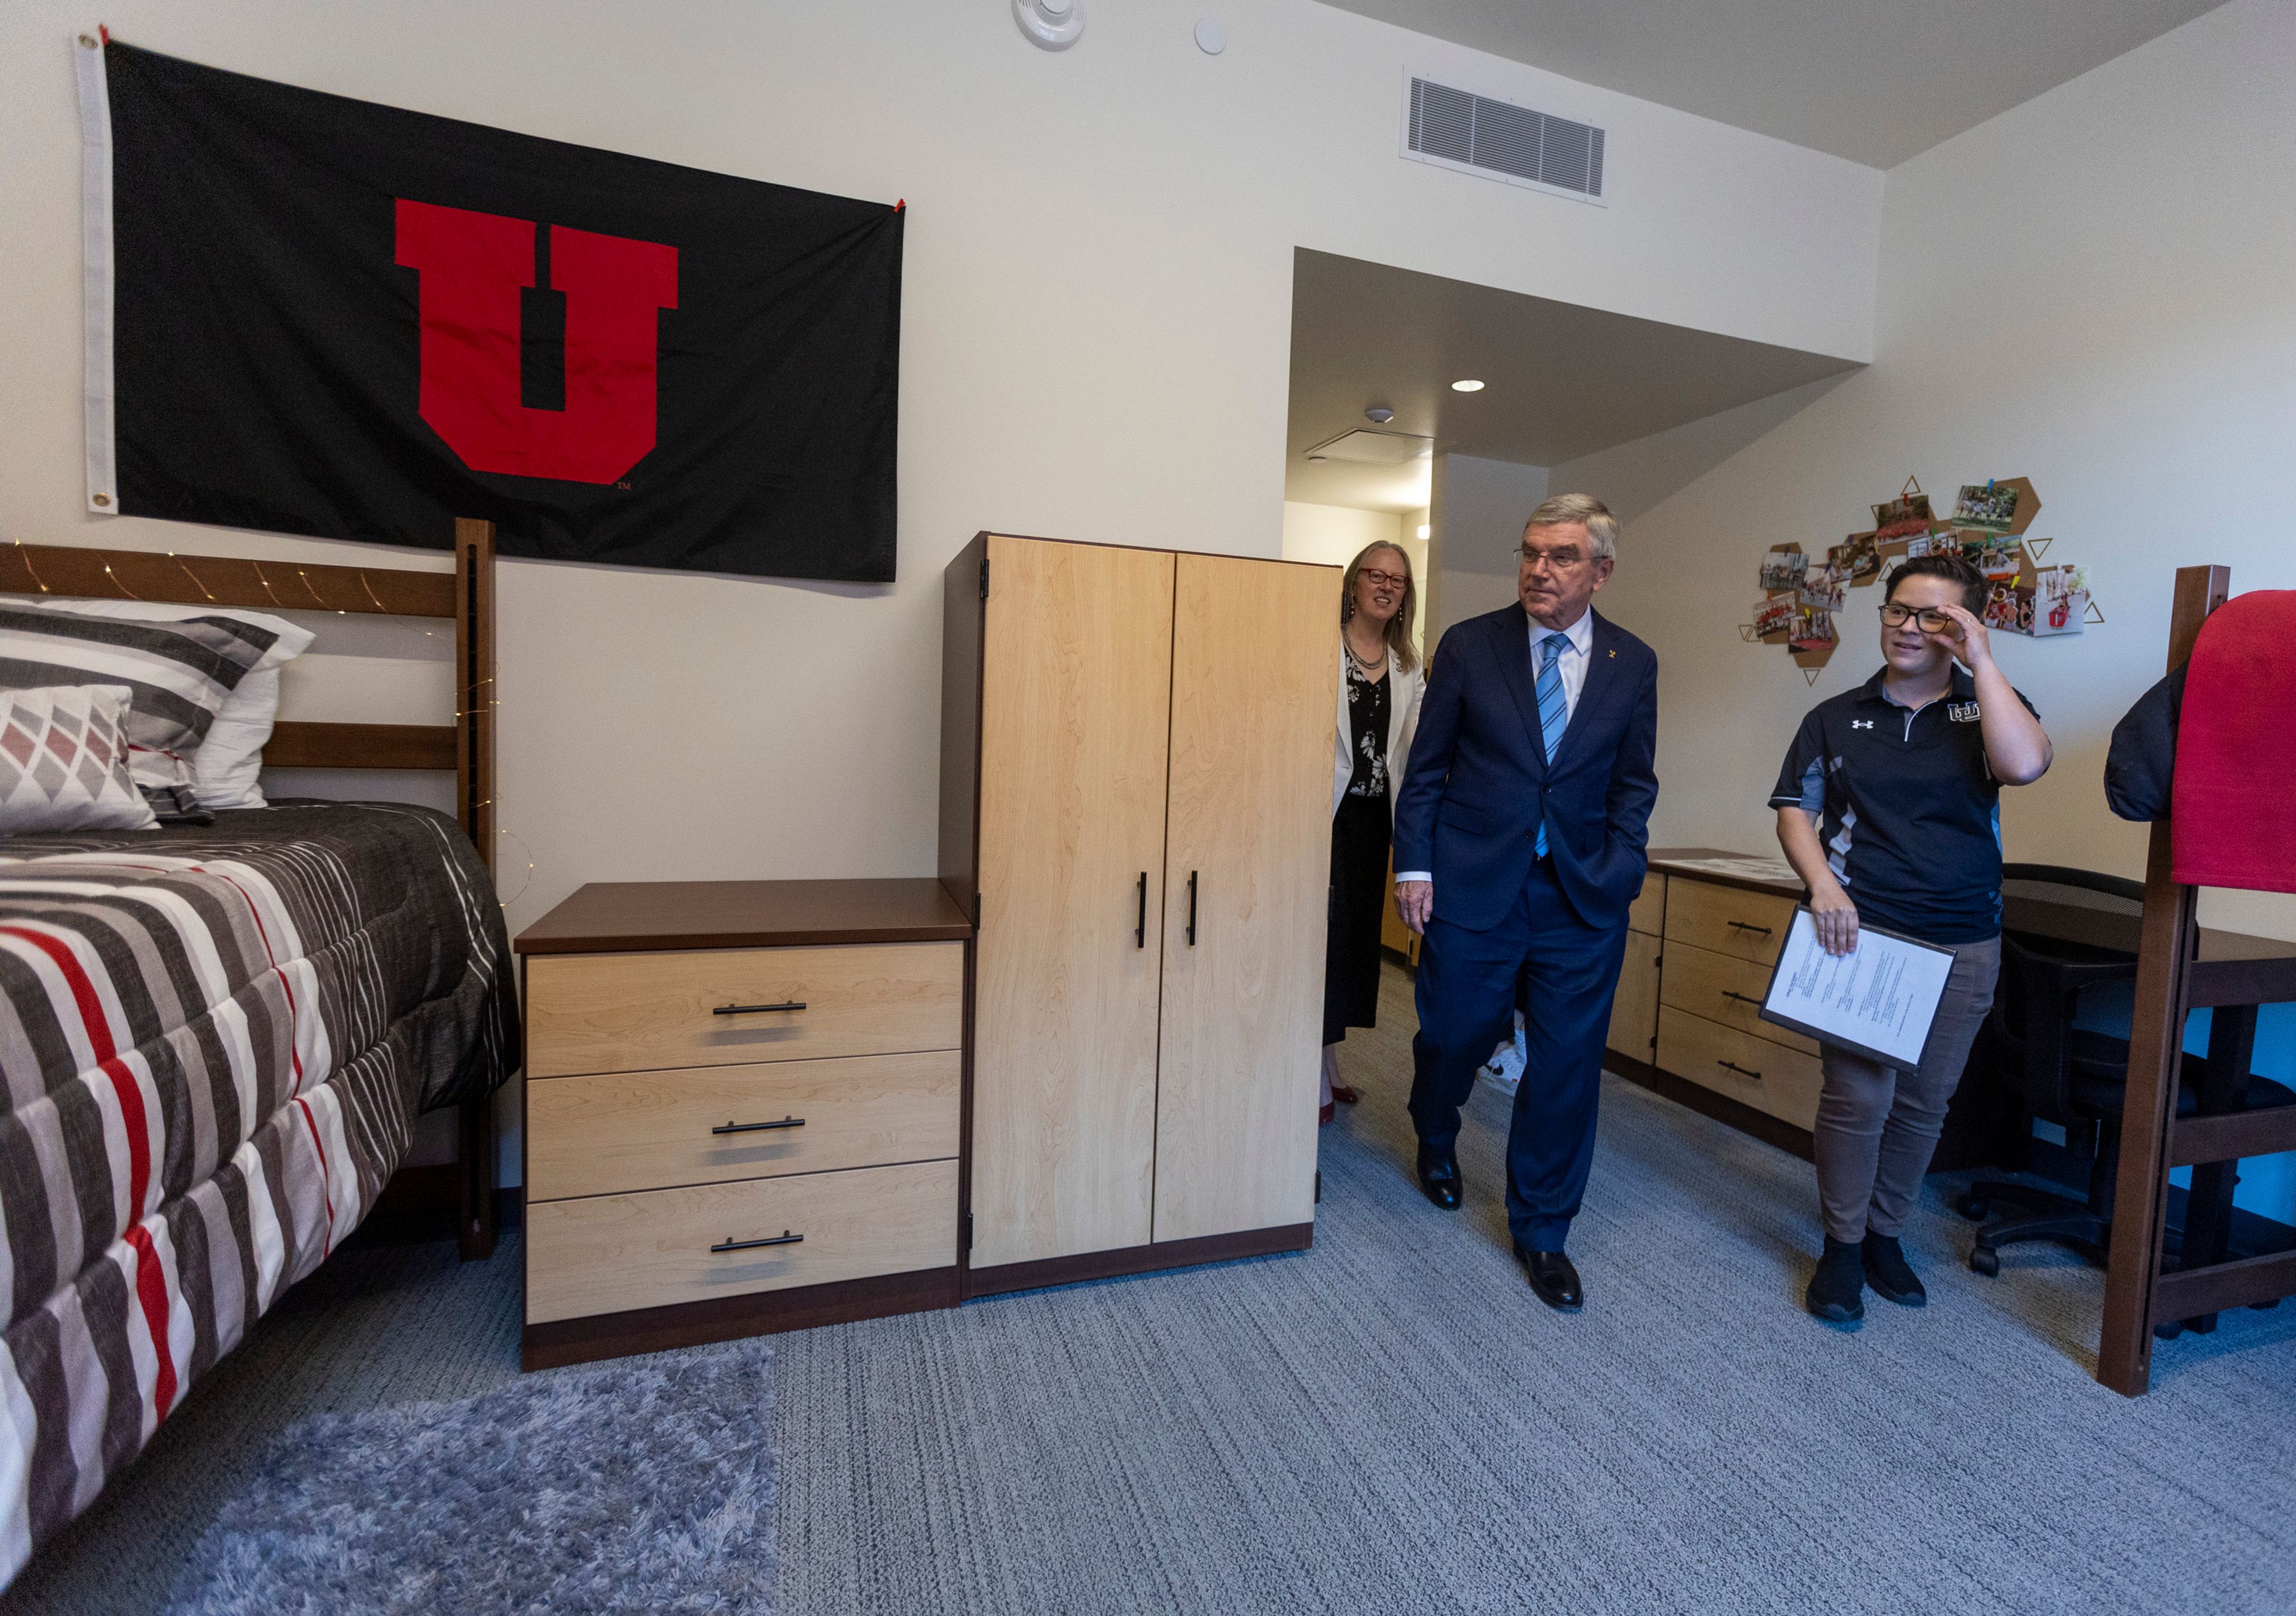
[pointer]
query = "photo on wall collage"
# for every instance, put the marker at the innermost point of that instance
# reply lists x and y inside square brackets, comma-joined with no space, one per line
[1802,595]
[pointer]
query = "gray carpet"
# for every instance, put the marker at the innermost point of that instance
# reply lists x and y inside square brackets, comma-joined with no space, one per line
[1391,1422]
[643,1488]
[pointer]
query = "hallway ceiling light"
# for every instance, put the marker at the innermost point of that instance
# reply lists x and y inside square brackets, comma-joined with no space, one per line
[1423,530]
[1051,25]
[1466,387]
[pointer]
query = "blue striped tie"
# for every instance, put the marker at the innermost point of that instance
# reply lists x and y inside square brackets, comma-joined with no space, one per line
[1554,711]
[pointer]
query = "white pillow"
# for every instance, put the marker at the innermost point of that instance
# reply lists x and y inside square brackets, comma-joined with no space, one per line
[64,761]
[226,769]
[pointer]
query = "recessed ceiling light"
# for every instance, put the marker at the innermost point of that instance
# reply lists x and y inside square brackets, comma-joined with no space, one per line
[1423,530]
[1466,387]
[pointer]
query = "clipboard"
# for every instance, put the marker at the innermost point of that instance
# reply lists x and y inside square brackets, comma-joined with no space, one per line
[1879,1005]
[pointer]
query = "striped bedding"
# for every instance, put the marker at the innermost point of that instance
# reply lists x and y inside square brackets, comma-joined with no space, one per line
[214,1042]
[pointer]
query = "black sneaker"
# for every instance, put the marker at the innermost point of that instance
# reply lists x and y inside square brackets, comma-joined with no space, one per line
[1888,1273]
[1834,1290]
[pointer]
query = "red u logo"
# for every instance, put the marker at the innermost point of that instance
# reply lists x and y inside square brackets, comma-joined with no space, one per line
[473,265]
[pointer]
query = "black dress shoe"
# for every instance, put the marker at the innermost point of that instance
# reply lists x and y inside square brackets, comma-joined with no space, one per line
[1552,1278]
[1438,1176]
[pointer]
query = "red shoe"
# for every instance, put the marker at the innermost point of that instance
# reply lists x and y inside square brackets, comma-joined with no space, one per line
[1325,1115]
[1344,1094]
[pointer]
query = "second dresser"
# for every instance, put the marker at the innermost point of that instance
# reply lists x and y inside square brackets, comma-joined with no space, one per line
[744,1107]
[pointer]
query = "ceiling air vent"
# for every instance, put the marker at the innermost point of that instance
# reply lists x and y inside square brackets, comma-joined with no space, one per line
[1498,139]
[1368,447]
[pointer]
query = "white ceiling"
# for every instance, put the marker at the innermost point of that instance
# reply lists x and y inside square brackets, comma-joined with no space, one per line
[1876,81]
[1561,380]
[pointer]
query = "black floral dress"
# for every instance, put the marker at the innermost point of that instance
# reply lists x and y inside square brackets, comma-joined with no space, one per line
[1360,830]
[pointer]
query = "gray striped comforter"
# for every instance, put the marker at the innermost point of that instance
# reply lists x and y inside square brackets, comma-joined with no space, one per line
[214,1042]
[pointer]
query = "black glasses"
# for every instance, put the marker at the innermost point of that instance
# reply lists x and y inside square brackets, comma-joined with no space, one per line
[1932,621]
[1561,561]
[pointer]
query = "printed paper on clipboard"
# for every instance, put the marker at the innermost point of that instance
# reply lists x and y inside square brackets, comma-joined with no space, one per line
[1878,999]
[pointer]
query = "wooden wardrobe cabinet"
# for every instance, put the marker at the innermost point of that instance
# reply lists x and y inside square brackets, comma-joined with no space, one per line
[1136,805]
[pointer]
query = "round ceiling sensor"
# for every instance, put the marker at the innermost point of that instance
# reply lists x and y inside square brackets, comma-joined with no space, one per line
[1212,36]
[1051,25]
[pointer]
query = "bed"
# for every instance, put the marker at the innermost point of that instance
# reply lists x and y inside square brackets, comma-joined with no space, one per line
[215,1040]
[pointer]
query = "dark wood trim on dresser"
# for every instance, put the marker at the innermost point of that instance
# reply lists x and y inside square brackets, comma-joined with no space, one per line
[1706,1103]
[963,643]
[642,916]
[694,1323]
[1007,1278]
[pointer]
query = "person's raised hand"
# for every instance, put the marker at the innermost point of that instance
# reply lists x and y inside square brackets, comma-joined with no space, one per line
[1972,645]
[1414,902]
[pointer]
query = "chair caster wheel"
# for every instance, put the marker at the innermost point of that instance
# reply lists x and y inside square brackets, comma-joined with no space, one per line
[1973,1208]
[1985,1261]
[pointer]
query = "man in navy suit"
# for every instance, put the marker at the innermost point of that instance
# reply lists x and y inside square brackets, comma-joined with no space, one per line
[1520,831]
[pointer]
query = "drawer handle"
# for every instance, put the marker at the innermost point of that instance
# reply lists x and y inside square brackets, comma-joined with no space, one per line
[1741,1070]
[1140,930]
[1740,926]
[751,1127]
[1742,998]
[755,1009]
[1192,909]
[783,1239]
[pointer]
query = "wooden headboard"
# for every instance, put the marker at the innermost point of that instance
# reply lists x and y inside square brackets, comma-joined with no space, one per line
[466,597]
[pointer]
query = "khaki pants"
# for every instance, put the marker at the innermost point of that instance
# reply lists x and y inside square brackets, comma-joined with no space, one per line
[1877,1128]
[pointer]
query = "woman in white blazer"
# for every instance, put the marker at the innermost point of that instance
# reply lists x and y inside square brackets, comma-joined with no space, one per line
[1379,682]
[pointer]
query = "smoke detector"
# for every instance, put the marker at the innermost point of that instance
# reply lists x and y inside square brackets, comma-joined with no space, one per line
[1051,25]
[1378,414]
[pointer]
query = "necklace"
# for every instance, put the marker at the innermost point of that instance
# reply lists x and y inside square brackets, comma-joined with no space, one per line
[1362,664]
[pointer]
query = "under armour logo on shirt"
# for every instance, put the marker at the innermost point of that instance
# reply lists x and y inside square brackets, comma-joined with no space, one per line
[1861,722]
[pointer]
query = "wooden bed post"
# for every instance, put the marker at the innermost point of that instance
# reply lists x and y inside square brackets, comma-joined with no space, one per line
[474,806]
[2156,1044]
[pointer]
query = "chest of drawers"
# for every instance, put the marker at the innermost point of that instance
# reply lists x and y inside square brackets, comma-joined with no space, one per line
[743,1110]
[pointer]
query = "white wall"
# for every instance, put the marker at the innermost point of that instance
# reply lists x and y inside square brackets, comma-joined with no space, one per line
[1479,511]
[1095,337]
[2138,362]
[1095,333]
[2096,289]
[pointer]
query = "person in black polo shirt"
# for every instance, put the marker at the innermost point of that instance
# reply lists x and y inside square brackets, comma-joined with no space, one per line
[1888,808]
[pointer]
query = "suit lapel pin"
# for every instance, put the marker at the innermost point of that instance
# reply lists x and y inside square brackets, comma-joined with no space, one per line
[1614,656]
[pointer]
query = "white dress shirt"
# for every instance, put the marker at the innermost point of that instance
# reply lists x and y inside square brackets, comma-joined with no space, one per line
[1572,665]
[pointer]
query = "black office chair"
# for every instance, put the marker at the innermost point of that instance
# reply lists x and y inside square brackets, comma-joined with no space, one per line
[2068,1075]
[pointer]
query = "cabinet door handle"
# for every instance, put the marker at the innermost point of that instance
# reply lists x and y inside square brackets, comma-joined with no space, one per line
[1740,926]
[1192,909]
[1742,998]
[783,1239]
[1741,1070]
[751,1127]
[755,1009]
[1140,928]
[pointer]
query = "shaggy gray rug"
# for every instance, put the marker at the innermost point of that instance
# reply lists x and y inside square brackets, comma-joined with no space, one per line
[644,1486]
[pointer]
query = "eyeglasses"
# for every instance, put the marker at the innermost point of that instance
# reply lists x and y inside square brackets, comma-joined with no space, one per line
[1561,561]
[1932,621]
[1383,580]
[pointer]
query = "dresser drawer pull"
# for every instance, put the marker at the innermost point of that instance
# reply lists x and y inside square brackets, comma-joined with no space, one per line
[751,1127]
[1742,998]
[1741,1070]
[783,1239]
[755,1009]
[1740,926]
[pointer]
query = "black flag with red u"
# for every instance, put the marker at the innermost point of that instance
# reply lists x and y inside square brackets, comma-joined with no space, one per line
[328,317]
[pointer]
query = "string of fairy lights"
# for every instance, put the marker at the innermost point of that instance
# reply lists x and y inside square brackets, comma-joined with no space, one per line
[487,707]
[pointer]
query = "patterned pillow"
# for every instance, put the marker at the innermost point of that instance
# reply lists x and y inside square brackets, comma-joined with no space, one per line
[179,674]
[64,761]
